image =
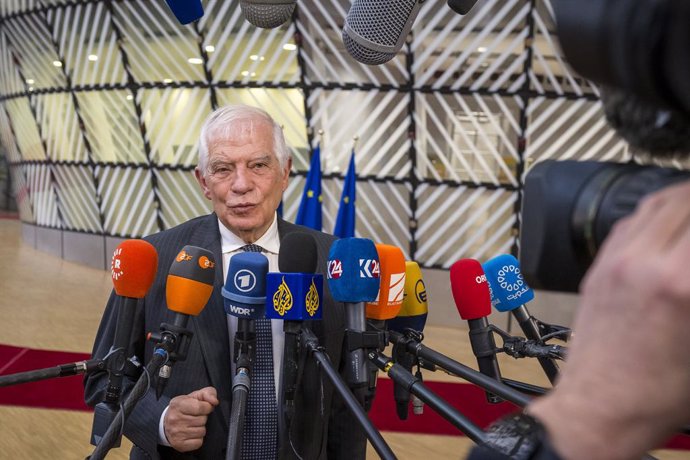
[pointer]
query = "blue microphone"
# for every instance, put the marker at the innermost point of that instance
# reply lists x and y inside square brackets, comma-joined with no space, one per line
[354,278]
[509,292]
[244,293]
[508,288]
[186,11]
[295,295]
[244,297]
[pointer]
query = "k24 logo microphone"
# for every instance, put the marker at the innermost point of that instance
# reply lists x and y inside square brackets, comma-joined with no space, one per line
[368,268]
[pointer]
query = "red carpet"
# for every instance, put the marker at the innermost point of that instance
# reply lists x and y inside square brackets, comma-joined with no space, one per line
[68,393]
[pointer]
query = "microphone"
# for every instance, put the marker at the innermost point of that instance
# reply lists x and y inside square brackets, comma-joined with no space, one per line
[267,14]
[375,30]
[389,299]
[133,269]
[461,6]
[294,295]
[387,304]
[187,289]
[354,278]
[244,297]
[412,316]
[473,301]
[509,292]
[186,11]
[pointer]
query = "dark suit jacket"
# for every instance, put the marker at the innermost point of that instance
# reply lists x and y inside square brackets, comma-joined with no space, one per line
[322,428]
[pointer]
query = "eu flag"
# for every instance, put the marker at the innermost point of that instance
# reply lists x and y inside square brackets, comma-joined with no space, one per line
[309,213]
[345,222]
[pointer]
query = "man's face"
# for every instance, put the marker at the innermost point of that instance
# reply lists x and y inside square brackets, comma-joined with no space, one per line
[244,180]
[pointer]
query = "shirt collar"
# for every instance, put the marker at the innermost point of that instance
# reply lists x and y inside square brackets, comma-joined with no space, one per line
[270,240]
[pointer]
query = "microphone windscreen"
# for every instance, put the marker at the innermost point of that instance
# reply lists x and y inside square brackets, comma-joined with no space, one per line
[461,6]
[133,268]
[186,11]
[190,280]
[415,306]
[375,30]
[508,288]
[353,270]
[392,272]
[244,292]
[470,289]
[297,253]
[267,14]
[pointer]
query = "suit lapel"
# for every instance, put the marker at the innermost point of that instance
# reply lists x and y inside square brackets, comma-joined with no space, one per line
[211,324]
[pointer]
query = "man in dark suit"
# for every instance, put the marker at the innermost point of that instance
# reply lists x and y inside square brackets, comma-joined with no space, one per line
[243,169]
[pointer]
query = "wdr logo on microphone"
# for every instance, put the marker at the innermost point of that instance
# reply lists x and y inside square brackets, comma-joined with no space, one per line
[369,268]
[244,280]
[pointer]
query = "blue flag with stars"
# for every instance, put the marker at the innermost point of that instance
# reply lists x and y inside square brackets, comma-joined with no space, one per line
[345,222]
[309,213]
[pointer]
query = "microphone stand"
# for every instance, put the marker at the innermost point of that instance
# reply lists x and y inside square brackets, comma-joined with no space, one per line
[460,370]
[415,386]
[61,370]
[245,353]
[172,345]
[311,343]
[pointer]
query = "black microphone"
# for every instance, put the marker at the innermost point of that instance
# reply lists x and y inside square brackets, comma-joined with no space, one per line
[267,14]
[375,30]
[473,301]
[461,6]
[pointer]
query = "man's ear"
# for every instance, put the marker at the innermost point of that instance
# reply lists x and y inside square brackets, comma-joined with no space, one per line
[286,173]
[202,183]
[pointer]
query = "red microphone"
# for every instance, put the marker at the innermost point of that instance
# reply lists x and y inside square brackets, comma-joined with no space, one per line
[473,301]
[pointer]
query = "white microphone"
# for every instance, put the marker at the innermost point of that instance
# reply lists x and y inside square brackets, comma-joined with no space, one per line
[267,14]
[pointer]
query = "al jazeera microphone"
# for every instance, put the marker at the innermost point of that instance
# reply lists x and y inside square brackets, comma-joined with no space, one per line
[187,289]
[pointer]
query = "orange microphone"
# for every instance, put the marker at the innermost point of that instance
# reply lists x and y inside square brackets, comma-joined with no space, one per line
[389,301]
[133,269]
[187,289]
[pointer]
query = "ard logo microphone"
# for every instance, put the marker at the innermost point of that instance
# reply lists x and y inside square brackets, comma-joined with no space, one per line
[244,293]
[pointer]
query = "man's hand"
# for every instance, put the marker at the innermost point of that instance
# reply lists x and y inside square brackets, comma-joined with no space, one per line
[185,421]
[626,383]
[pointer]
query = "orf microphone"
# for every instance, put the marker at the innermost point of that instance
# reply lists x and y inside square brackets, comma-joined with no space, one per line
[354,278]
[473,301]
[267,14]
[412,315]
[375,30]
[186,11]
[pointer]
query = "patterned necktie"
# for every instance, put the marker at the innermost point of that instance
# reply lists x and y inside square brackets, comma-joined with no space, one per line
[260,437]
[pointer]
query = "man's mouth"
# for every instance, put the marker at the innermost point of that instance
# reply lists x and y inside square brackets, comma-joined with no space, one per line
[242,207]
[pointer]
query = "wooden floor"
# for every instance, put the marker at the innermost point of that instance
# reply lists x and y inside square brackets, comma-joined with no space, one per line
[49,303]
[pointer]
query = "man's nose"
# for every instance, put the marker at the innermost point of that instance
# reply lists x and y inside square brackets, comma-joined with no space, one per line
[242,182]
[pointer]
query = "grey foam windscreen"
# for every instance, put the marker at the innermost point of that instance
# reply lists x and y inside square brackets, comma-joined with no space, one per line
[267,14]
[375,30]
